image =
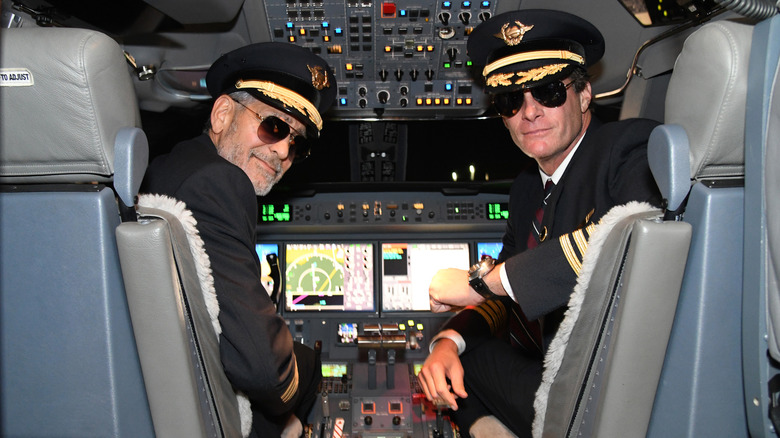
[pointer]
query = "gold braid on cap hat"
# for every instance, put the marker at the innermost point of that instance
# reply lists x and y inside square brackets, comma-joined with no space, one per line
[532,56]
[286,96]
[505,79]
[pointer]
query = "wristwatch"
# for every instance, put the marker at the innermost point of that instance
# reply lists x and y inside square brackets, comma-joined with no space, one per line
[478,271]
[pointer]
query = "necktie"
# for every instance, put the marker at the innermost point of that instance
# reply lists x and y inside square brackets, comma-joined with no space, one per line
[538,233]
[522,332]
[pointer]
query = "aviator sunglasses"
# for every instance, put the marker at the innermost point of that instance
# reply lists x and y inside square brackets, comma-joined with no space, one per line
[272,129]
[551,95]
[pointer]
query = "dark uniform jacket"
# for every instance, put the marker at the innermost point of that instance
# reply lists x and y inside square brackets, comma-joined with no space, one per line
[256,346]
[608,169]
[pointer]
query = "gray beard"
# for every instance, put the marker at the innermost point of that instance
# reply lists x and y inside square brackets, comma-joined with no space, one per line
[230,153]
[262,187]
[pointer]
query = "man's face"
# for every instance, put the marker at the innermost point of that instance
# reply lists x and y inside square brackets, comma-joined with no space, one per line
[264,163]
[548,134]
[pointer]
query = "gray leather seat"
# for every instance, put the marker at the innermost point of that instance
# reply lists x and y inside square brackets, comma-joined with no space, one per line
[174,317]
[603,366]
[71,159]
[761,297]
[700,150]
[619,377]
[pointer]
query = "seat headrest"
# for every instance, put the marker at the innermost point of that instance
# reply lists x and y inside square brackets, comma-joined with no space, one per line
[707,94]
[65,95]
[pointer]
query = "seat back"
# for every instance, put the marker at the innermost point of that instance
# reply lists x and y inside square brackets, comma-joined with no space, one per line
[174,311]
[698,160]
[761,297]
[634,383]
[69,130]
[610,346]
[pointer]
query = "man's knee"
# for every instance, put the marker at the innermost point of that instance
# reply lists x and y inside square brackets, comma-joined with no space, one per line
[489,427]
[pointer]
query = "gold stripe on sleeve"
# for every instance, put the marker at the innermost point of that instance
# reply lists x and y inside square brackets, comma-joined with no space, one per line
[493,312]
[293,386]
[571,256]
[500,312]
[581,241]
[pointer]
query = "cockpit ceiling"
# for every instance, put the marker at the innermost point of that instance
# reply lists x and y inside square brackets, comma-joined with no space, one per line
[393,59]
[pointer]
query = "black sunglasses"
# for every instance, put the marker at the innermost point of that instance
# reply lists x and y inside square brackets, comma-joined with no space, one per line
[551,95]
[272,129]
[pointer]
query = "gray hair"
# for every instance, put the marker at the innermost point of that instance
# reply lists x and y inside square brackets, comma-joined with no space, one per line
[241,96]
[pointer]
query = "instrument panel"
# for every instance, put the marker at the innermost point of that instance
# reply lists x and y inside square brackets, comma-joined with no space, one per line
[354,286]
[384,212]
[390,58]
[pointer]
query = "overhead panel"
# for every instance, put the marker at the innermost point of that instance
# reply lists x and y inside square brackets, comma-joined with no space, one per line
[392,59]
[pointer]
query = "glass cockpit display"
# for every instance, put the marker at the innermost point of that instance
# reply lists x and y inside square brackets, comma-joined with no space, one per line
[407,270]
[263,250]
[329,277]
[492,249]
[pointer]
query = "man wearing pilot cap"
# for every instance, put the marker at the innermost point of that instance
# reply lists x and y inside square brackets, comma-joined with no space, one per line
[269,99]
[523,49]
[487,360]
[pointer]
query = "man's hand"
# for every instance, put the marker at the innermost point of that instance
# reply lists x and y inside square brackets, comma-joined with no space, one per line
[450,290]
[293,428]
[443,363]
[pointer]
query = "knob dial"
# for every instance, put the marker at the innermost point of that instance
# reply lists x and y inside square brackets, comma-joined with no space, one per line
[452,52]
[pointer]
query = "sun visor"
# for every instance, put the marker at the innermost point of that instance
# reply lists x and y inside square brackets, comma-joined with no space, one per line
[198,11]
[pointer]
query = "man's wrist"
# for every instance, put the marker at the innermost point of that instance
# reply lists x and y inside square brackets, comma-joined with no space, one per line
[505,282]
[477,274]
[452,335]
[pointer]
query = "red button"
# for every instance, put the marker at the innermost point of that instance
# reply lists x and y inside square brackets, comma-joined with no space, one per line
[388,9]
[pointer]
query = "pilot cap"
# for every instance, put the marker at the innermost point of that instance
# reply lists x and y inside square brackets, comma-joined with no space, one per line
[526,48]
[288,77]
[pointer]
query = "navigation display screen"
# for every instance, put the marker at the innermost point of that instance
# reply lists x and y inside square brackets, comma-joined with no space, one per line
[263,249]
[407,270]
[334,369]
[329,276]
[492,249]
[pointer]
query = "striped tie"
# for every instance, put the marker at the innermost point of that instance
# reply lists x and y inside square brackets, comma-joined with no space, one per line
[538,233]
[523,333]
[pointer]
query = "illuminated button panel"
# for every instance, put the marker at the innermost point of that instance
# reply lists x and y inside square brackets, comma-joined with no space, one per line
[391,208]
[402,58]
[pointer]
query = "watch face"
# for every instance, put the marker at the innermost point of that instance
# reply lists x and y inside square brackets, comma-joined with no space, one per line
[482,268]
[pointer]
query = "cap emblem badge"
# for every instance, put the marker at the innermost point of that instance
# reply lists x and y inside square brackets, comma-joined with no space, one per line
[319,77]
[512,34]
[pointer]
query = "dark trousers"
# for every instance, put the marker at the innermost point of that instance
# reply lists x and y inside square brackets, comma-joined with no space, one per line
[309,375]
[501,381]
